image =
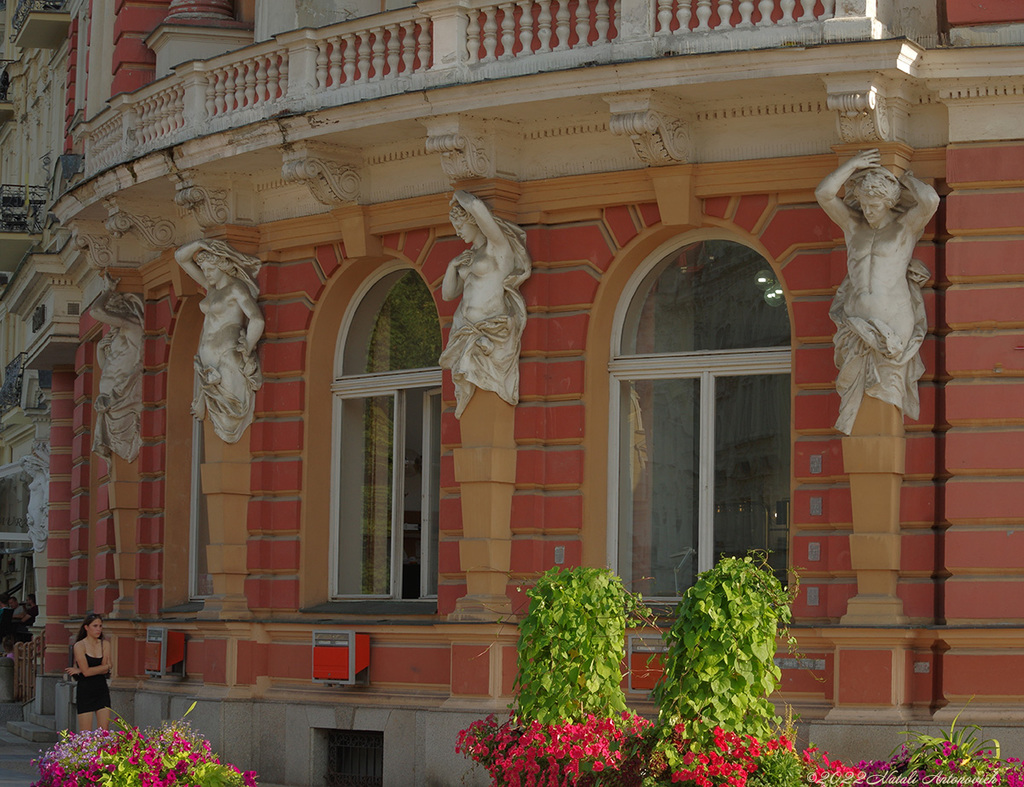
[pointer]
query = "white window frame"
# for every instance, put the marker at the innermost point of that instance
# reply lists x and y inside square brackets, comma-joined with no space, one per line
[399,385]
[705,366]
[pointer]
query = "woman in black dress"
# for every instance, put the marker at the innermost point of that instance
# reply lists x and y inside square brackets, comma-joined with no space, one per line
[91,667]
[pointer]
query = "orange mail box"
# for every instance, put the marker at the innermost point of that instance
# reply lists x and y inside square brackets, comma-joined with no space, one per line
[156,641]
[336,659]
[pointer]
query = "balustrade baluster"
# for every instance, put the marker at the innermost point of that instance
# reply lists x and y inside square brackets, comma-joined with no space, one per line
[544,26]
[364,59]
[229,88]
[240,86]
[349,62]
[829,7]
[321,64]
[284,73]
[473,36]
[724,14]
[273,79]
[703,15]
[211,101]
[664,17]
[423,52]
[684,12]
[583,23]
[261,80]
[562,25]
[787,12]
[746,14]
[408,33]
[220,77]
[765,7]
[378,53]
[807,6]
[525,28]
[393,49]
[508,30]
[250,82]
[490,33]
[334,61]
[601,21]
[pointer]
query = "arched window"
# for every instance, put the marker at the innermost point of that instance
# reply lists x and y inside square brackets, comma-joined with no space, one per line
[387,414]
[701,426]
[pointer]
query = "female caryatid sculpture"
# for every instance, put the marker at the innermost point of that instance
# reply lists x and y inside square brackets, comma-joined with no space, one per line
[37,467]
[227,369]
[487,329]
[878,309]
[119,403]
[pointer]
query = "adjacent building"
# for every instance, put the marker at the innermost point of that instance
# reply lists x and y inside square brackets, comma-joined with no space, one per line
[241,210]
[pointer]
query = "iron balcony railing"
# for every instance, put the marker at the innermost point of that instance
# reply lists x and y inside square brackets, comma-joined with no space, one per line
[10,391]
[22,208]
[26,7]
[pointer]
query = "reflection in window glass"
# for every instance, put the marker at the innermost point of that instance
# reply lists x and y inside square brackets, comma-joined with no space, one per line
[390,451]
[658,494]
[710,295]
[704,428]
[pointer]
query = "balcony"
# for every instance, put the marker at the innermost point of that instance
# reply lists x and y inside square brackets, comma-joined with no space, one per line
[40,24]
[444,43]
[22,211]
[10,390]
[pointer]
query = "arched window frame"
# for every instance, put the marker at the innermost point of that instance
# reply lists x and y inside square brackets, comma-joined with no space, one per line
[344,387]
[705,365]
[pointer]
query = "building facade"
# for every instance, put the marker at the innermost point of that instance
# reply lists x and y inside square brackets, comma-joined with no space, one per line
[250,220]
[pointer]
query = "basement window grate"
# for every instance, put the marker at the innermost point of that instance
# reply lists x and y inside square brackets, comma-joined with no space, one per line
[355,758]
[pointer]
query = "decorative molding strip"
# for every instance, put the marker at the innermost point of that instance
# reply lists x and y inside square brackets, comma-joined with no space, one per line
[157,233]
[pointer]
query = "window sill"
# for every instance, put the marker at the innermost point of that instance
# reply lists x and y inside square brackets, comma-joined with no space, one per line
[375,607]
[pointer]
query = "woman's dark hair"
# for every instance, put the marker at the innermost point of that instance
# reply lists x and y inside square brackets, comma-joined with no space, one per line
[88,619]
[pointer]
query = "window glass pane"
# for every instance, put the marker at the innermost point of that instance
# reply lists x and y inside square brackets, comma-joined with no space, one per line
[366,496]
[406,333]
[658,489]
[752,466]
[710,295]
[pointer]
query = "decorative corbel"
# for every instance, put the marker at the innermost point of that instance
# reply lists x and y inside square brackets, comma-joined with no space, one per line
[331,182]
[654,125]
[863,115]
[93,243]
[157,233]
[209,206]
[463,147]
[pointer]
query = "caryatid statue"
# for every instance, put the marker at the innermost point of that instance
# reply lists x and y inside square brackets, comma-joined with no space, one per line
[119,403]
[878,309]
[37,466]
[487,328]
[227,367]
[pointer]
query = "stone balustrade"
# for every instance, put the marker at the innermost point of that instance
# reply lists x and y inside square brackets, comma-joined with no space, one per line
[434,44]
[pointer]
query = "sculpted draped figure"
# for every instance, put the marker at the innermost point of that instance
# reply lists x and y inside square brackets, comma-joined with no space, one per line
[878,309]
[37,466]
[119,403]
[227,368]
[483,346]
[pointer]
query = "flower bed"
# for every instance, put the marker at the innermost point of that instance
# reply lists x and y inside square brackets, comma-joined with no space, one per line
[170,755]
